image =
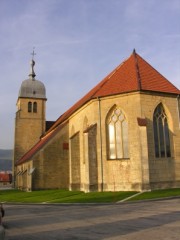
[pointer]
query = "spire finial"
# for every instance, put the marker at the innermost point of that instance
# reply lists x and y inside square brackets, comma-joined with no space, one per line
[32,73]
[33,53]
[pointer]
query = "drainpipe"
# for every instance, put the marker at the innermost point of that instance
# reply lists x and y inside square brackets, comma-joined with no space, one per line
[178,109]
[100,133]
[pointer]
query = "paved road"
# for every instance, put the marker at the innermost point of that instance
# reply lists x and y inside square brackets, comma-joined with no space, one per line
[127,221]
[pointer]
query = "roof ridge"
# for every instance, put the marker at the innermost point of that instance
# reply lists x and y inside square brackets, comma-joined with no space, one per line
[107,78]
[137,70]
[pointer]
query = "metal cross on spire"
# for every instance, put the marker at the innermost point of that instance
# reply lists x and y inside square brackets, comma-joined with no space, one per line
[33,53]
[32,73]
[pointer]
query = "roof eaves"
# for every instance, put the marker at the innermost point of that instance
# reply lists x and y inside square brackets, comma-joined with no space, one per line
[159,92]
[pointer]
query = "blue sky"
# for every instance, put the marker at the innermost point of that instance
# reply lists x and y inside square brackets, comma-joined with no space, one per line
[77,43]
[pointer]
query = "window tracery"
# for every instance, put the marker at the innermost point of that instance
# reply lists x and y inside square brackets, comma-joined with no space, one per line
[117,128]
[161,133]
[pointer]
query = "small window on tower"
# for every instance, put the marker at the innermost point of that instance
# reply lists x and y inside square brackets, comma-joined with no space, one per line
[35,107]
[29,106]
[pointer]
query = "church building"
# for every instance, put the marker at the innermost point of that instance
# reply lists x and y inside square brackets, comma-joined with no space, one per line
[123,135]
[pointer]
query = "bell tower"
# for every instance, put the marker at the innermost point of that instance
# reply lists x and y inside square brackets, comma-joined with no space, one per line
[30,115]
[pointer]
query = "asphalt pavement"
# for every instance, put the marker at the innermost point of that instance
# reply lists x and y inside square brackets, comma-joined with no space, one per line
[145,220]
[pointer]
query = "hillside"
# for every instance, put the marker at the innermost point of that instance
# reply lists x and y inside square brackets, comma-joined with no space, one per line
[6,159]
[6,153]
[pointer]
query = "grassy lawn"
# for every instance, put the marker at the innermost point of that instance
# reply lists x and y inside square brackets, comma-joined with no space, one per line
[96,197]
[64,196]
[61,196]
[158,194]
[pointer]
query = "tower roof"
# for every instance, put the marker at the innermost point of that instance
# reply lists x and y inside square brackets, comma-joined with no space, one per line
[32,88]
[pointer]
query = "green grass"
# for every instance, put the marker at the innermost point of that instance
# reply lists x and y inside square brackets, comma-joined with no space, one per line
[158,194]
[35,196]
[96,197]
[64,196]
[61,196]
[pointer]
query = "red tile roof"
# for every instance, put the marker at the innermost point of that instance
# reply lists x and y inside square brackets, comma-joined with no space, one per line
[134,74]
[5,177]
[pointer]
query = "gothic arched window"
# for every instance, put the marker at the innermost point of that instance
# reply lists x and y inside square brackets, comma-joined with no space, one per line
[117,128]
[35,107]
[161,133]
[29,106]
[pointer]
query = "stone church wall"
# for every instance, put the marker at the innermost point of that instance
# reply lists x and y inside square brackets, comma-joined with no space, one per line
[123,174]
[141,171]
[164,172]
[52,163]
[76,158]
[113,175]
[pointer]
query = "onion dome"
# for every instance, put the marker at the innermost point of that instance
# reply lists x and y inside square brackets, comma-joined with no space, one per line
[32,88]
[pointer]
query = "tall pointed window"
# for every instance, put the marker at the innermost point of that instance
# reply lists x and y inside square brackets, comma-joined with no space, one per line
[117,128]
[29,106]
[35,107]
[161,133]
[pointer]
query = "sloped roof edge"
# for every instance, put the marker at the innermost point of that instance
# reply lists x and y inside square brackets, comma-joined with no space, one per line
[41,143]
